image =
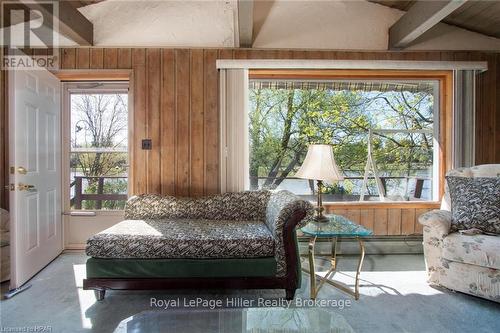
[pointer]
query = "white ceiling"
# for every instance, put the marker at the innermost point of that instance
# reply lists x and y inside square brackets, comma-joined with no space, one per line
[323,24]
[162,23]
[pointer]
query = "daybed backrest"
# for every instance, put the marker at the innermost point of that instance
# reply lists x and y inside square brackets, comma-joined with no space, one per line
[247,205]
[484,170]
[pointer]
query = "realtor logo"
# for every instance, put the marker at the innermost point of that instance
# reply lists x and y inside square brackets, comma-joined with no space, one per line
[29,34]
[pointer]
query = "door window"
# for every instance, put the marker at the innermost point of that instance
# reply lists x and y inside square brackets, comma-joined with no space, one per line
[98,152]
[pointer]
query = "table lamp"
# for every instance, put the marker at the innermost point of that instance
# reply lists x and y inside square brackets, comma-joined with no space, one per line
[320,165]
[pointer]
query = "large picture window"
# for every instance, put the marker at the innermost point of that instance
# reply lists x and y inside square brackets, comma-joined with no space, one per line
[393,121]
[98,151]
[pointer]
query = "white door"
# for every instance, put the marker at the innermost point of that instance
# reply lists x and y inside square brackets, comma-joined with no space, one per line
[35,172]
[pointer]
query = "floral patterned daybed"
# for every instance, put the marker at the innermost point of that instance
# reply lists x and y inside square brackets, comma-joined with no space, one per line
[232,240]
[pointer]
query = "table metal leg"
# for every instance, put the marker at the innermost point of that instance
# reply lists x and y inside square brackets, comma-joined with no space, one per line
[360,264]
[326,279]
[334,253]
[312,271]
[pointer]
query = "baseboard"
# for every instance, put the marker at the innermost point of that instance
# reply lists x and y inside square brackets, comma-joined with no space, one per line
[74,247]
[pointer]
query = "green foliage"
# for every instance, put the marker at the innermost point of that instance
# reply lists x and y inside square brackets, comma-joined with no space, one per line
[334,189]
[112,186]
[99,164]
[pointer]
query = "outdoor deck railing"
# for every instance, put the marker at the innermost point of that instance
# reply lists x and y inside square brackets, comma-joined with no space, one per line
[99,197]
[417,191]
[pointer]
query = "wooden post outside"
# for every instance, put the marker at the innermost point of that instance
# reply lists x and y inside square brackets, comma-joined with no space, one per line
[100,190]
[383,180]
[78,192]
[419,185]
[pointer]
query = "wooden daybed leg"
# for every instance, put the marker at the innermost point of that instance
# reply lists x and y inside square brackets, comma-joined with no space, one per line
[99,294]
[290,294]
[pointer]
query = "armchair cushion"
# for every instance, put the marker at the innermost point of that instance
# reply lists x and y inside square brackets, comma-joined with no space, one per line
[475,203]
[480,250]
[182,238]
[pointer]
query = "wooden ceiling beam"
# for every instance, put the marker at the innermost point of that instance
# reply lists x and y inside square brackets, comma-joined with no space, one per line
[71,23]
[421,16]
[245,23]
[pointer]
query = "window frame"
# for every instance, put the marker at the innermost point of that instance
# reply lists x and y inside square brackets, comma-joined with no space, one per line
[69,88]
[443,131]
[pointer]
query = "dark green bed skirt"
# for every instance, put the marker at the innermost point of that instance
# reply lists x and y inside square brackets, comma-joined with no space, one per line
[180,268]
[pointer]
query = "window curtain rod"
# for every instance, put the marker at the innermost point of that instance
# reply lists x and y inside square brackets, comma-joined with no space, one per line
[480,66]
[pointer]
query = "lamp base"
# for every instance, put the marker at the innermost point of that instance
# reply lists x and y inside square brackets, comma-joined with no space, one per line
[321,219]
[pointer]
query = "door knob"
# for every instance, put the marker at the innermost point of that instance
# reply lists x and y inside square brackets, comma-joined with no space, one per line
[22,170]
[25,187]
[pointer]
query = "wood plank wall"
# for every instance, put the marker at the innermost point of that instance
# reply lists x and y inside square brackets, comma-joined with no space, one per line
[175,94]
[386,220]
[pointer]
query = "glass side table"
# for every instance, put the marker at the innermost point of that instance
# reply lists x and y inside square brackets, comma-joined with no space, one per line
[337,226]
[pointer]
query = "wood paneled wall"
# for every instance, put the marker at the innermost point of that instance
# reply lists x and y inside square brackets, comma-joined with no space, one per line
[175,98]
[175,101]
[391,219]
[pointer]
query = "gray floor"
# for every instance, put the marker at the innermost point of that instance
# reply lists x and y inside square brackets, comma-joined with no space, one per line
[395,298]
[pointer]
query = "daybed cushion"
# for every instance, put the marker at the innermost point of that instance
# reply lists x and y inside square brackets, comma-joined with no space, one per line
[180,268]
[183,238]
[480,250]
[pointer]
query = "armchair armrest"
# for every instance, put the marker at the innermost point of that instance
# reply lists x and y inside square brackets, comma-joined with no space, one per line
[436,226]
[437,222]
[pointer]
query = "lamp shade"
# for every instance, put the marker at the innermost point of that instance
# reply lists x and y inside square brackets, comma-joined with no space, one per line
[319,164]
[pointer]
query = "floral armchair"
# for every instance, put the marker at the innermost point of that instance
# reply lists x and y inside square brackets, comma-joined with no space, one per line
[461,262]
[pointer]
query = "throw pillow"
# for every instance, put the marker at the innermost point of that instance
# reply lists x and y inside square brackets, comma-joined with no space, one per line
[475,203]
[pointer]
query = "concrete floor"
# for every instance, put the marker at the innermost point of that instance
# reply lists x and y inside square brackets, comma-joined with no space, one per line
[395,298]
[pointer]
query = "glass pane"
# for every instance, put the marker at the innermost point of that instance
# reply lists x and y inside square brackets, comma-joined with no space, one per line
[288,115]
[109,189]
[98,158]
